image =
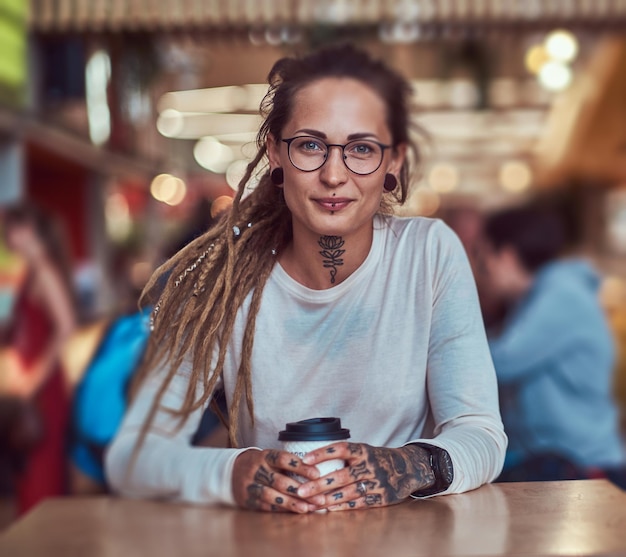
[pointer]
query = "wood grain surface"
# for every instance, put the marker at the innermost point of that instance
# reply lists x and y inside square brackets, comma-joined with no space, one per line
[547,518]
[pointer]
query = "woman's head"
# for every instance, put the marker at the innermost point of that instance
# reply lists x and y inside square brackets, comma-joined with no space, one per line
[290,76]
[335,155]
[29,232]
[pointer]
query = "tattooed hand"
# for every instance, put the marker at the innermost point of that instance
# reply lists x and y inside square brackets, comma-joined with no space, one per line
[373,476]
[260,482]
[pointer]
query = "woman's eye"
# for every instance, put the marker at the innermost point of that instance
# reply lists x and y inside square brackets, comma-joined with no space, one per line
[361,149]
[310,146]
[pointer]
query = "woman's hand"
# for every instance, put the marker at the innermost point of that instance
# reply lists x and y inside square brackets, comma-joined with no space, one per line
[261,481]
[373,476]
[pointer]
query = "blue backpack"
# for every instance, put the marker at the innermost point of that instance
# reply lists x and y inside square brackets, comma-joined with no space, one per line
[100,399]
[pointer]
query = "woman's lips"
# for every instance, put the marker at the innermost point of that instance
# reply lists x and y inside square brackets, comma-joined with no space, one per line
[333,203]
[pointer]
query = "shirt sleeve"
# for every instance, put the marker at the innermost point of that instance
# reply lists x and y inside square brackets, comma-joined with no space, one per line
[461,381]
[166,465]
[544,326]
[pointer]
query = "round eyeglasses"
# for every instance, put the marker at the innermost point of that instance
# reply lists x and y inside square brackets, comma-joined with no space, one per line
[361,156]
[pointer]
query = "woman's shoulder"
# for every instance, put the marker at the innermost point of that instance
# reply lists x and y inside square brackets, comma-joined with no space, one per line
[421,230]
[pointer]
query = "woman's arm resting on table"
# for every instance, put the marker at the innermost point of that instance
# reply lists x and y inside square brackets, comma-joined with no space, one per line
[167,465]
[461,380]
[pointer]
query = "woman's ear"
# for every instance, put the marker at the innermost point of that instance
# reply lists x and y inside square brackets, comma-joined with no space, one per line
[398,154]
[272,146]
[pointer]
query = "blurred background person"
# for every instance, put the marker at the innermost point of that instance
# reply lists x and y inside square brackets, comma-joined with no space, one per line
[43,318]
[468,221]
[554,355]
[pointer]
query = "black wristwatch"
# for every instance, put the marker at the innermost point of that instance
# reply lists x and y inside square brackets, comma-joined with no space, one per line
[441,465]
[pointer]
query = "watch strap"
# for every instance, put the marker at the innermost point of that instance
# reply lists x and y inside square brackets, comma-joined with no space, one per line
[441,465]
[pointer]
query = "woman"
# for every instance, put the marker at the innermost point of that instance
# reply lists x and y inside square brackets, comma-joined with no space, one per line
[44,317]
[308,300]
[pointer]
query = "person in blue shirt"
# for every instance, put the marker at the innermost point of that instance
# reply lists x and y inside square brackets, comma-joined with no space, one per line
[554,353]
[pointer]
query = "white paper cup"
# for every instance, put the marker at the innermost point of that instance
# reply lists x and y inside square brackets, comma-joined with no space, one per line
[300,438]
[300,448]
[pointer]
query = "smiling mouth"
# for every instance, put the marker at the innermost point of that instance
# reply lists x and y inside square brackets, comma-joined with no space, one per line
[333,204]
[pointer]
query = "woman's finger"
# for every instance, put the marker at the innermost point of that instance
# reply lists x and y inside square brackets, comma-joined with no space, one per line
[265,498]
[346,494]
[291,464]
[357,469]
[362,502]
[264,487]
[343,450]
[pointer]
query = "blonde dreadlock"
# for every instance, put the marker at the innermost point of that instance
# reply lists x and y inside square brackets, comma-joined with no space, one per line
[209,279]
[203,305]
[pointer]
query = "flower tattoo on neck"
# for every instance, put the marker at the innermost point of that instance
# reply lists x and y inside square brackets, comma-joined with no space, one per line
[331,252]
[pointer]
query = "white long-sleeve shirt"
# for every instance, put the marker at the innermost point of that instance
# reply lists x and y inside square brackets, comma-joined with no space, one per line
[397,351]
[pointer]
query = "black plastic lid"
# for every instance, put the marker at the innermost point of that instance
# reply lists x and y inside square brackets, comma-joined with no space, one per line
[314,429]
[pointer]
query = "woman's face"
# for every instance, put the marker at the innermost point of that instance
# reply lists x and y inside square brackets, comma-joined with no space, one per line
[332,200]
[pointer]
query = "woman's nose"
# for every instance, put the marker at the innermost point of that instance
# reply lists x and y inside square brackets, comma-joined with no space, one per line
[334,171]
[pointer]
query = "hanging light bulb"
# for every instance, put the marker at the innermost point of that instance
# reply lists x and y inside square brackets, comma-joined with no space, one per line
[561,45]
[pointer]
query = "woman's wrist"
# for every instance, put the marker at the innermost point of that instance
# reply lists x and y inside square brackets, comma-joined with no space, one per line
[441,468]
[423,474]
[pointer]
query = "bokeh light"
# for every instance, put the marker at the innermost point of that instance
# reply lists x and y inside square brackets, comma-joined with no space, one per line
[555,76]
[117,217]
[213,155]
[536,57]
[220,205]
[235,172]
[168,189]
[443,178]
[170,122]
[561,45]
[515,176]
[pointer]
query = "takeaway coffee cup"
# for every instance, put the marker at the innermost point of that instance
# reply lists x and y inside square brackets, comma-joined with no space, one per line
[305,436]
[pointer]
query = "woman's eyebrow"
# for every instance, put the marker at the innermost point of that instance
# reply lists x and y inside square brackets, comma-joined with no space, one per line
[322,135]
[361,135]
[316,133]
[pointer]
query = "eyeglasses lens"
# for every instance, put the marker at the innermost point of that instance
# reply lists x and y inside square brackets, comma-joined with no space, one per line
[360,156]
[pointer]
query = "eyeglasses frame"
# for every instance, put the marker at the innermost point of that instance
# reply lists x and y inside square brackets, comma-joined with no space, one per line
[289,140]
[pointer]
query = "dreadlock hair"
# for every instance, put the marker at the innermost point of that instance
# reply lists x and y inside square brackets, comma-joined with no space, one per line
[195,314]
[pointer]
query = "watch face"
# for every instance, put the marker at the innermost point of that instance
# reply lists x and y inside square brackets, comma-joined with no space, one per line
[442,468]
[445,467]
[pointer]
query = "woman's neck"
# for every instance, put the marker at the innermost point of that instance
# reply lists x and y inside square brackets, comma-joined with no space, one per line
[321,262]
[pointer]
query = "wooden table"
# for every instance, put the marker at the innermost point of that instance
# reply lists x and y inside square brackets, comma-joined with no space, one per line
[550,518]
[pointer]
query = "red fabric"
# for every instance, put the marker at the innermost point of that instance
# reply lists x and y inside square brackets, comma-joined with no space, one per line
[44,474]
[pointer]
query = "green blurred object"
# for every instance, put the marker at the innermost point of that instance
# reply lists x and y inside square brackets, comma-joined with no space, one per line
[11,269]
[13,42]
